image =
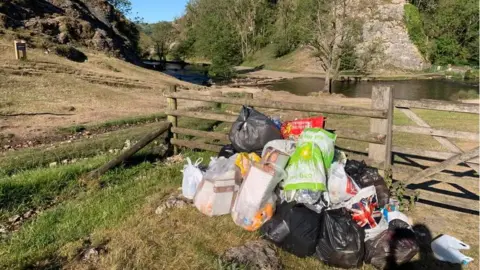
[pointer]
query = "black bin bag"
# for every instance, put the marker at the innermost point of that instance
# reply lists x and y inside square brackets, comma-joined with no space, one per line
[252,130]
[365,176]
[293,228]
[227,151]
[341,240]
[393,247]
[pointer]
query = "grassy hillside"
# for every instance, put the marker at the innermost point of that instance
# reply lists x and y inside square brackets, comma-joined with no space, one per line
[47,91]
[300,60]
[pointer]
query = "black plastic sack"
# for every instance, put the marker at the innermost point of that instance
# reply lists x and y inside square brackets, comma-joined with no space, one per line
[392,247]
[227,151]
[252,130]
[341,240]
[366,176]
[293,228]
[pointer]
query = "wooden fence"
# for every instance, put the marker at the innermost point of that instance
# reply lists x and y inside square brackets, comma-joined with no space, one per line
[380,115]
[381,152]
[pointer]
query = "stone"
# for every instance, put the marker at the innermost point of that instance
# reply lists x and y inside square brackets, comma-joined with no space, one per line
[53,164]
[90,254]
[14,219]
[29,214]
[175,159]
[65,161]
[175,200]
[258,254]
[63,38]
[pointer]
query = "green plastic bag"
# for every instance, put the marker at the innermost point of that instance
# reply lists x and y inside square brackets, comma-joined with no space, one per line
[324,139]
[309,163]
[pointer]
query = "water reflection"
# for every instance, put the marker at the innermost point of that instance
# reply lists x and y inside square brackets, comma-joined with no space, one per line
[404,89]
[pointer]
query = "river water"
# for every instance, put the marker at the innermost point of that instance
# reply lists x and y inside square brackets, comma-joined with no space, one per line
[439,89]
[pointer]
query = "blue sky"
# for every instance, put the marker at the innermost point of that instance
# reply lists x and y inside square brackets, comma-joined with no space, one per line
[158,10]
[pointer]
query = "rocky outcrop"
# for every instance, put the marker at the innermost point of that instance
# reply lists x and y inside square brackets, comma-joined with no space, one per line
[90,23]
[385,32]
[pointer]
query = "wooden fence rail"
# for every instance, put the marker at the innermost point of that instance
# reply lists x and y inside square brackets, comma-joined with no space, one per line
[380,115]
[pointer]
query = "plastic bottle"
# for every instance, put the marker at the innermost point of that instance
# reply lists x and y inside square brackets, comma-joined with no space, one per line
[277,122]
[446,248]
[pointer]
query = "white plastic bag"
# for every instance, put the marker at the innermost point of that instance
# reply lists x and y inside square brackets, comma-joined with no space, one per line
[192,176]
[340,186]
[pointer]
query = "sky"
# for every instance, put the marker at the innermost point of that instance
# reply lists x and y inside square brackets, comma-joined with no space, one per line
[158,10]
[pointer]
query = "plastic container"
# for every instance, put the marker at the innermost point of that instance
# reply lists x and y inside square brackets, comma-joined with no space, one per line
[447,248]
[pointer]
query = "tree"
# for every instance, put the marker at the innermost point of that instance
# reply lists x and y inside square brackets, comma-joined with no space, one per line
[163,35]
[330,26]
[453,27]
[214,37]
[124,6]
[286,37]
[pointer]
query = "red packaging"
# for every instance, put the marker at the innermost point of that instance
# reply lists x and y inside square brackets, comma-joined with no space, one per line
[293,129]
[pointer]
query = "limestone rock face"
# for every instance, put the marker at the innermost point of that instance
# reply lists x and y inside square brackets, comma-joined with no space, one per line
[386,29]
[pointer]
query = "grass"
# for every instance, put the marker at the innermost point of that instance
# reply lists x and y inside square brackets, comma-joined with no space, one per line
[91,210]
[39,187]
[13,162]
[121,122]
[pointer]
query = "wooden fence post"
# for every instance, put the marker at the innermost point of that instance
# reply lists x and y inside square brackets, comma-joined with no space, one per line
[382,99]
[172,106]
[248,96]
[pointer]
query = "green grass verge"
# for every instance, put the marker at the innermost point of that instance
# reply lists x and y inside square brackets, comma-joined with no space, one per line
[91,210]
[39,187]
[24,159]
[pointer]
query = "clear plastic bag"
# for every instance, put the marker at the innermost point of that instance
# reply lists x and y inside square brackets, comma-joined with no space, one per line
[255,202]
[192,176]
[340,186]
[219,166]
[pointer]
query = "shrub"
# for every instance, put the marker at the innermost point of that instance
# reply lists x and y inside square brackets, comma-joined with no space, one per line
[414,24]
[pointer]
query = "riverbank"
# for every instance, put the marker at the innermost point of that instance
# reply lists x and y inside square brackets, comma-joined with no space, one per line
[256,72]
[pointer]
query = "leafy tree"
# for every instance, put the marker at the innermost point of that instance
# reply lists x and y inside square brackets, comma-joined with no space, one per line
[454,26]
[451,28]
[287,35]
[163,35]
[415,30]
[330,26]
[124,6]
[214,38]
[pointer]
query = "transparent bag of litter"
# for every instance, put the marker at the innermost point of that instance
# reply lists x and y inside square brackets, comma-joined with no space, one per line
[192,176]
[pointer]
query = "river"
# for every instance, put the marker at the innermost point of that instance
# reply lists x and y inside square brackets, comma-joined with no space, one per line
[439,89]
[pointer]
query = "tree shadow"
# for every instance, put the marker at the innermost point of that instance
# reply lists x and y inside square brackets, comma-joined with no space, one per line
[248,70]
[426,258]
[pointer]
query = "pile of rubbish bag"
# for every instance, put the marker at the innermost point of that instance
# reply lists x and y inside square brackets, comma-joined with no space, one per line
[288,181]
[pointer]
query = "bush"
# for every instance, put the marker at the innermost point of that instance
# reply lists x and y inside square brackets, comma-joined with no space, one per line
[464,95]
[70,53]
[221,69]
[472,74]
[414,24]
[282,47]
